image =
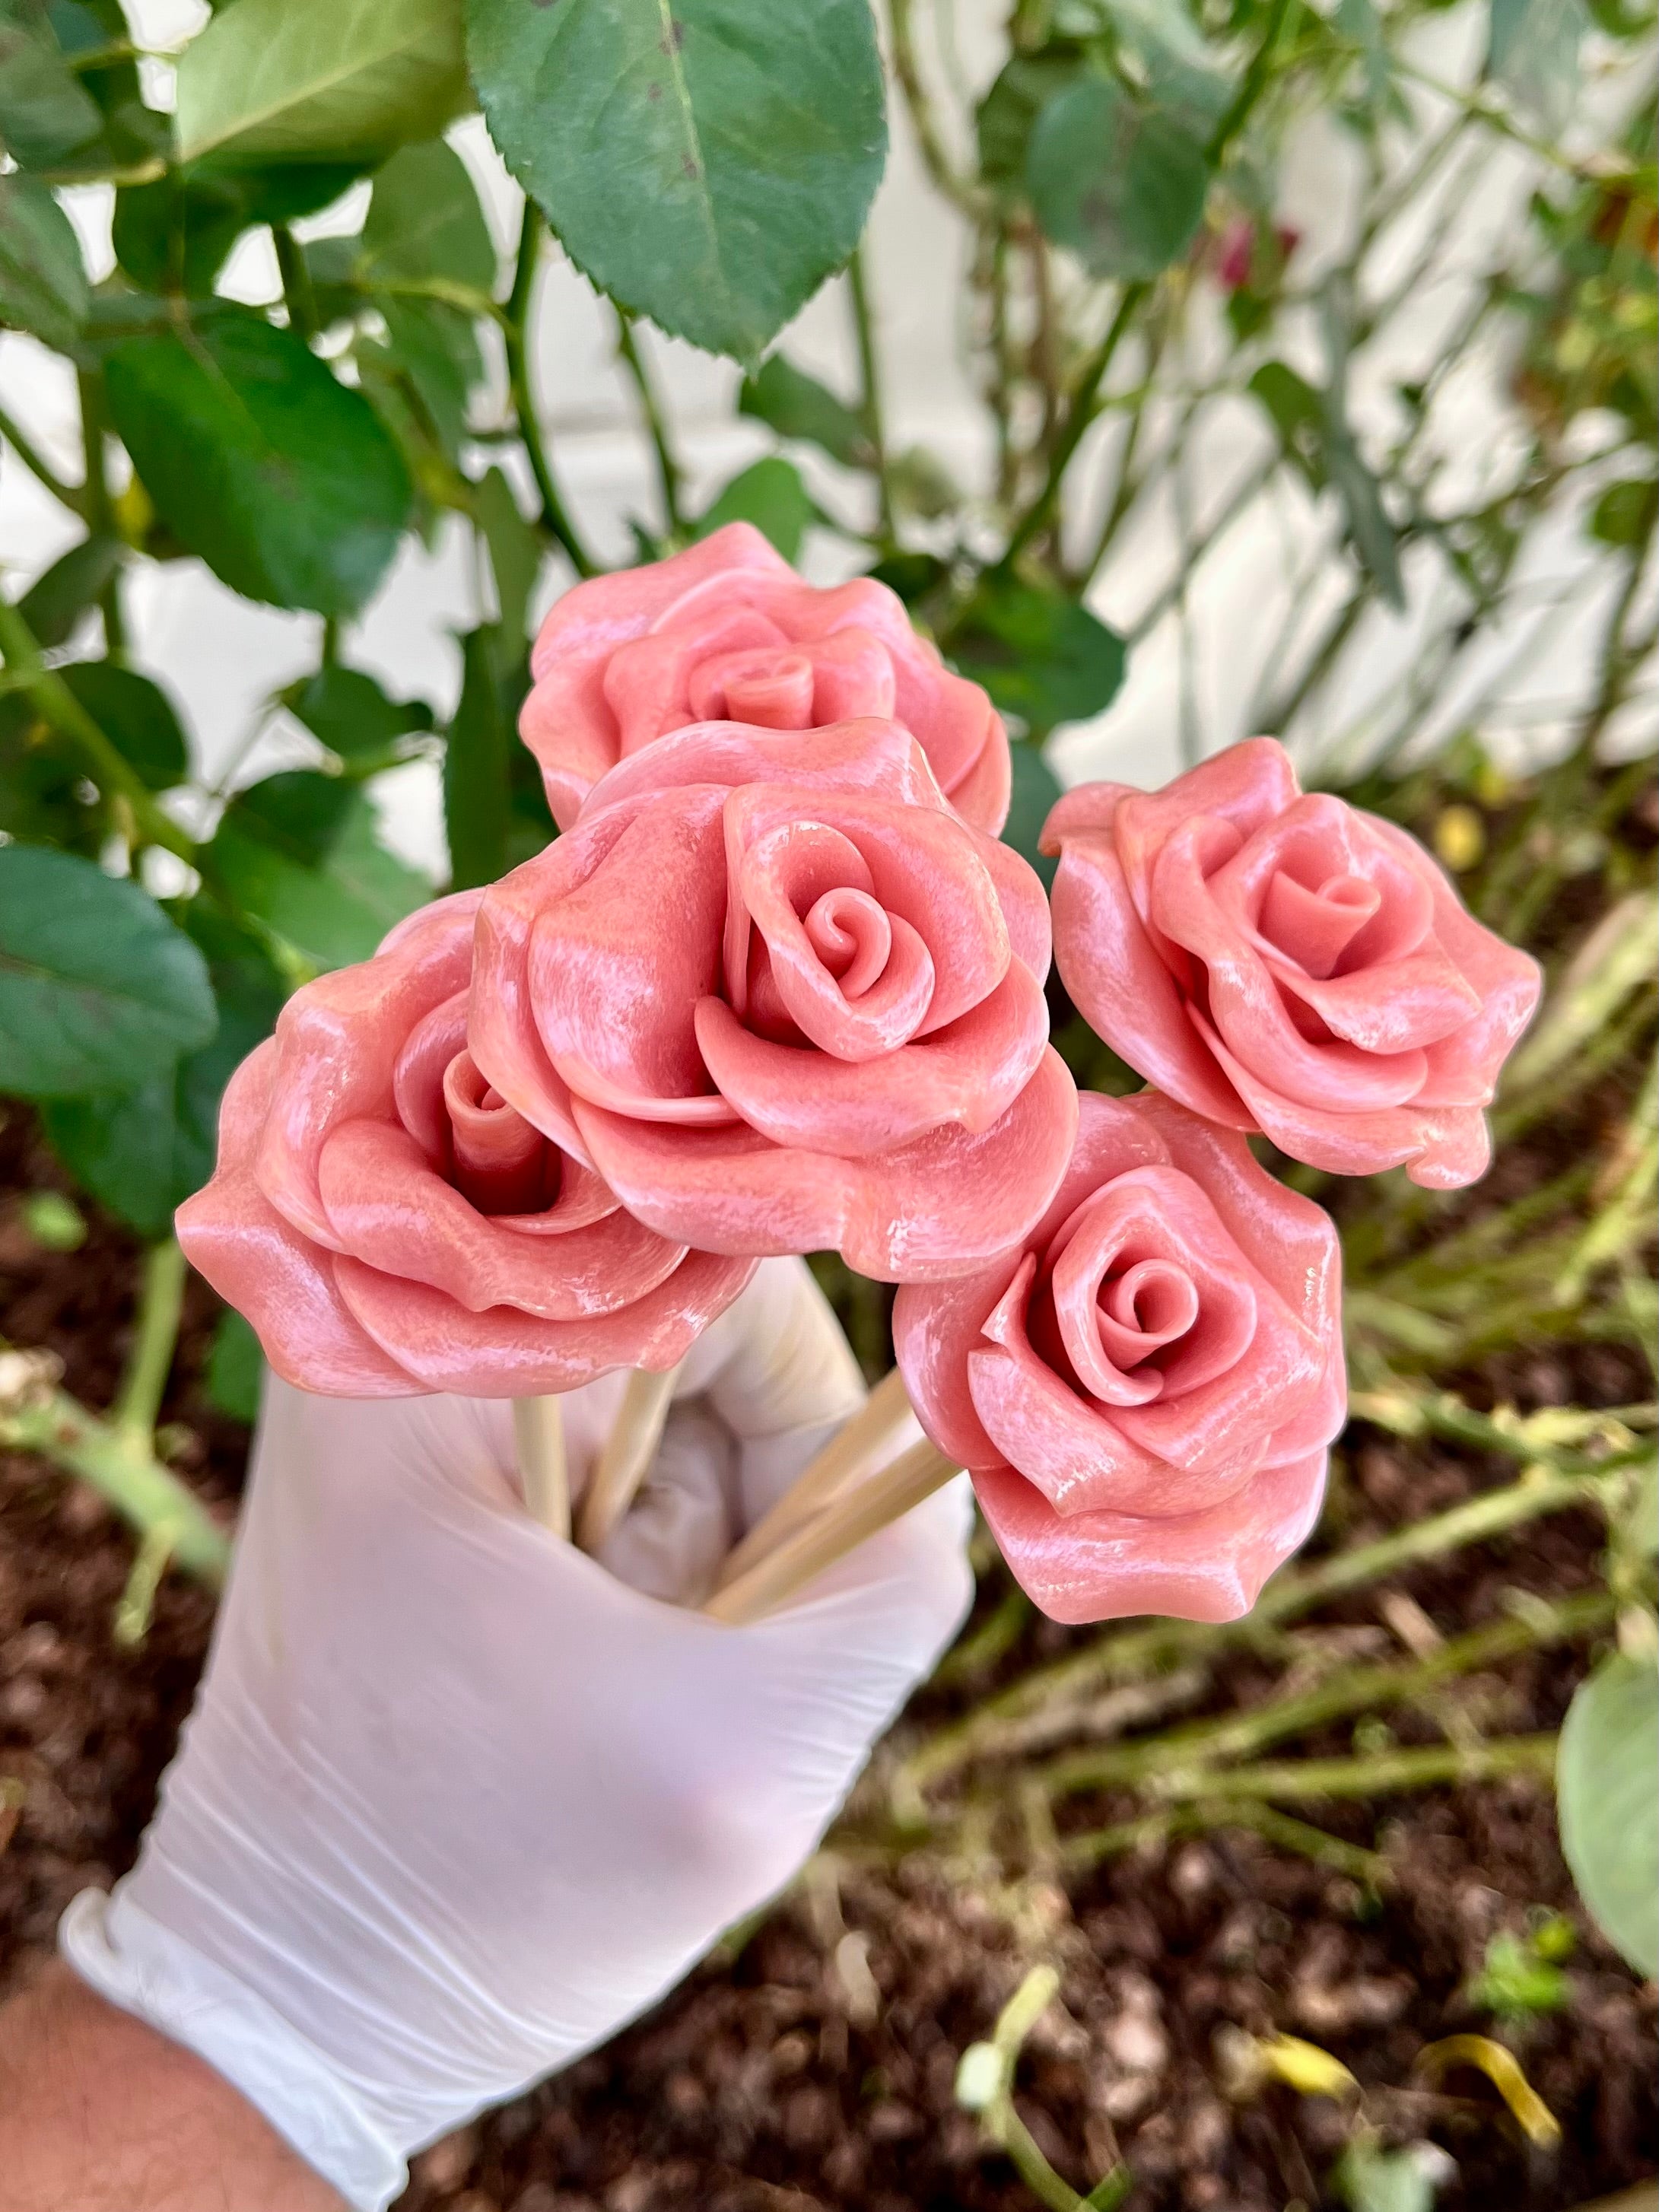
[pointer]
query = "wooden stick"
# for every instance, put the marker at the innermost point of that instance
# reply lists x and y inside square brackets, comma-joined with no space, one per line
[840,1527]
[538,1433]
[859,1440]
[629,1451]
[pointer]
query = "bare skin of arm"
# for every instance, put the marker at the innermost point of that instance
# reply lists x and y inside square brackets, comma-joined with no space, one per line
[98,2113]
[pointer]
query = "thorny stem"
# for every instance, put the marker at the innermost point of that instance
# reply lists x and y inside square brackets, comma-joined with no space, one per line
[160,1300]
[870,406]
[961,190]
[1378,1774]
[64,710]
[1130,1655]
[515,334]
[297,294]
[35,1416]
[98,511]
[668,473]
[72,496]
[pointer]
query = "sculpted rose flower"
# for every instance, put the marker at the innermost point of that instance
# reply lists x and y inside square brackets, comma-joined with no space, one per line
[1285,962]
[784,999]
[726,631]
[390,1225]
[1145,1390]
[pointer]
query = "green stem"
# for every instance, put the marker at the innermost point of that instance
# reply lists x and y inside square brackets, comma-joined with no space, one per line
[1379,1774]
[37,1417]
[870,406]
[1130,1654]
[160,1300]
[1348,1690]
[515,329]
[1369,1869]
[64,710]
[1078,415]
[297,294]
[72,496]
[100,510]
[668,472]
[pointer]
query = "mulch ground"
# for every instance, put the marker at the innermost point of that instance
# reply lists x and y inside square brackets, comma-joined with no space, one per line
[816,2069]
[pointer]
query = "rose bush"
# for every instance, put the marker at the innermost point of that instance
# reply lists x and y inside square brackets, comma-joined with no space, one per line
[1142,1392]
[1287,963]
[728,631]
[390,1225]
[784,999]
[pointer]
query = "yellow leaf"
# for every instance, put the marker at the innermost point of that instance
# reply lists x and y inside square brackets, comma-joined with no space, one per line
[1305,2068]
[1503,2069]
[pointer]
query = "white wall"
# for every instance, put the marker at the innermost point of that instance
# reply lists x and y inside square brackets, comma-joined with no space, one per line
[222,658]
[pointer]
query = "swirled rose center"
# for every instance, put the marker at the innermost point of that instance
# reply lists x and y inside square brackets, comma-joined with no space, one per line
[501,1164]
[1316,924]
[852,934]
[772,688]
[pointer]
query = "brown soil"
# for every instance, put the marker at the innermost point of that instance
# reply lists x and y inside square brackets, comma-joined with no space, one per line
[781,2081]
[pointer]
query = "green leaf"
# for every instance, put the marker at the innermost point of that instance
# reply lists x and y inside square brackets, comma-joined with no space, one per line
[1533,52]
[131,133]
[1624,514]
[1609,1806]
[172,236]
[1370,2179]
[1120,184]
[706,162]
[55,602]
[1183,77]
[300,854]
[320,79]
[1035,790]
[1042,656]
[97,987]
[772,496]
[281,478]
[142,1152]
[44,796]
[1011,106]
[478,799]
[797,405]
[236,1369]
[515,555]
[44,114]
[436,348]
[424,220]
[351,715]
[43,285]
[1297,414]
[1369,530]
[137,716]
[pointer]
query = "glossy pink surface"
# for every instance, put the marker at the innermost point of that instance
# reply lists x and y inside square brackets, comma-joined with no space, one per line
[389,1225]
[1145,1390]
[1285,962]
[726,631]
[784,999]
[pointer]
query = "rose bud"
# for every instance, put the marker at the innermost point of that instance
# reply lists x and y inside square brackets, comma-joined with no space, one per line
[1144,1391]
[1285,962]
[784,999]
[726,631]
[389,1225]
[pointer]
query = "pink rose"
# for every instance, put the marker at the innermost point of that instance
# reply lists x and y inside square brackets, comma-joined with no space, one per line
[389,1225]
[1145,1390]
[1287,963]
[784,999]
[726,631]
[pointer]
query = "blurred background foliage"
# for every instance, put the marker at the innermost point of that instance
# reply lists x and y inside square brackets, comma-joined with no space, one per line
[1131,279]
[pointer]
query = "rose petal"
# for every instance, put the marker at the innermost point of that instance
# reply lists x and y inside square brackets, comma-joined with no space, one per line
[1200,1566]
[970,1074]
[505,1353]
[937,1207]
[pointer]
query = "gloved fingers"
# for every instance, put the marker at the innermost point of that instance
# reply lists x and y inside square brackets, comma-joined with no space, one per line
[776,1358]
[682,1524]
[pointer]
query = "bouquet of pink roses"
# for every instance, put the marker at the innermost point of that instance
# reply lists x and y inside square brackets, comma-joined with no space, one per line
[778,988]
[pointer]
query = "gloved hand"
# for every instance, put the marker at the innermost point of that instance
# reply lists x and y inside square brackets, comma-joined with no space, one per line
[456,1802]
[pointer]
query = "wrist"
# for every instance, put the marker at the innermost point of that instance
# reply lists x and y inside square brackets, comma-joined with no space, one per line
[137,1964]
[100,2111]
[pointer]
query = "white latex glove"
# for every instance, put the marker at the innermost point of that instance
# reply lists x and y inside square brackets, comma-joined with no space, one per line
[456,1802]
